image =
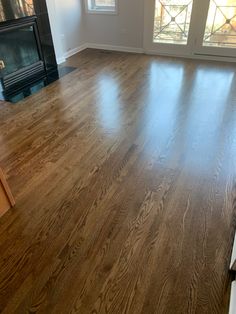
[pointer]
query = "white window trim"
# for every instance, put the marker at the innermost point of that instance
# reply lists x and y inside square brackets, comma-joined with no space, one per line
[102,10]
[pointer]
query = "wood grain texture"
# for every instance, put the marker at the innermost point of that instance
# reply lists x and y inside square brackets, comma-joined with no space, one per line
[124,177]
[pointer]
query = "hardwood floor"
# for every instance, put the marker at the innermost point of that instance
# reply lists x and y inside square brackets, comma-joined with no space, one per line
[124,174]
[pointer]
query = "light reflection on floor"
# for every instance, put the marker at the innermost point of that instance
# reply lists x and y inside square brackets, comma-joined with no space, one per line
[108,104]
[174,112]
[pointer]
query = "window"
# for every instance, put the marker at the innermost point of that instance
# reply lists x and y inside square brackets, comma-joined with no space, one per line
[96,6]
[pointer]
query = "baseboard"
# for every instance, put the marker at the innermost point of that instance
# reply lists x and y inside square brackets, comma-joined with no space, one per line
[195,56]
[101,47]
[115,48]
[75,50]
[61,60]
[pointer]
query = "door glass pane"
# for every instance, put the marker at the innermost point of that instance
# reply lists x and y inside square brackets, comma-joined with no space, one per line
[172,20]
[221,24]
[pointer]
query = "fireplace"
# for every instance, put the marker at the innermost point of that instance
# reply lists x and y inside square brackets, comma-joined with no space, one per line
[21,54]
[27,56]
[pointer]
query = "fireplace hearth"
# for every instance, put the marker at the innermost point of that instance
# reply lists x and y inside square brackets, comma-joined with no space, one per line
[27,57]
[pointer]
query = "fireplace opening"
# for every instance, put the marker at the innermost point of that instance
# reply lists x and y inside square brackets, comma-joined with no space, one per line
[22,61]
[18,48]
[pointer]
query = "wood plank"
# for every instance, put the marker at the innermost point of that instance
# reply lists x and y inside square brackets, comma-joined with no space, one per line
[124,175]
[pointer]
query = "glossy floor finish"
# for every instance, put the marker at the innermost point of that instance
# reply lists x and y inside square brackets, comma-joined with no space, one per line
[125,181]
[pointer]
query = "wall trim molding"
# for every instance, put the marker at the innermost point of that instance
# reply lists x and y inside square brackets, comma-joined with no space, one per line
[193,56]
[115,48]
[61,60]
[72,52]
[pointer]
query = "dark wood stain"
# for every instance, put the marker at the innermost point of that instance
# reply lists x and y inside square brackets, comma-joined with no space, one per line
[125,183]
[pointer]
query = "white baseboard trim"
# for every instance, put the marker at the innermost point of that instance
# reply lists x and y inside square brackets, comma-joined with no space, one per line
[196,56]
[75,50]
[115,48]
[72,52]
[61,60]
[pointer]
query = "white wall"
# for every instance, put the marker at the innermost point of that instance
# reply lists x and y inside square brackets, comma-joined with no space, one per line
[56,30]
[67,24]
[124,29]
[72,26]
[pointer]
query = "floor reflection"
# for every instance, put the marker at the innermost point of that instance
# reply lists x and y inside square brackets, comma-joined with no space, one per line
[163,111]
[184,115]
[205,118]
[108,104]
[161,105]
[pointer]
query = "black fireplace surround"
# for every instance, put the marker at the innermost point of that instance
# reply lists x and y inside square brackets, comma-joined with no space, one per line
[26,48]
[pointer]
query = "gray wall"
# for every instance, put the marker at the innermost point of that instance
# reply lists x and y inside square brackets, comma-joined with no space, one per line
[123,29]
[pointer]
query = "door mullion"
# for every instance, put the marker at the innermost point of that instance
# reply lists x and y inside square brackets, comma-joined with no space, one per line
[200,19]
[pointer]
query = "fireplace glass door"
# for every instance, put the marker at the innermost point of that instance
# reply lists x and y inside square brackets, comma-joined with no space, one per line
[18,48]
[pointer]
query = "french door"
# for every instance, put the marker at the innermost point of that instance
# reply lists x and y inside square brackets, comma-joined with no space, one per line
[191,27]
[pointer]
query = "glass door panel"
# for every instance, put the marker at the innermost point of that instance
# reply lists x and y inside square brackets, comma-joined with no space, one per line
[220,28]
[172,21]
[167,26]
[191,28]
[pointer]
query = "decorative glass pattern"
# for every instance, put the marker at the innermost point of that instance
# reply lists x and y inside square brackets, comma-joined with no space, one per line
[172,21]
[221,24]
